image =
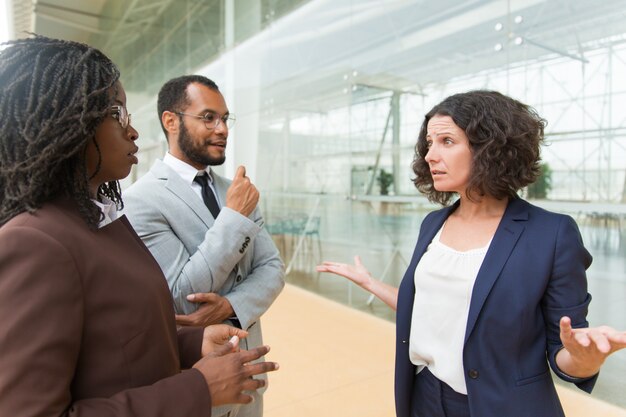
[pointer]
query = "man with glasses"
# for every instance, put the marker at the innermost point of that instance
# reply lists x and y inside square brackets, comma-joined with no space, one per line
[205,231]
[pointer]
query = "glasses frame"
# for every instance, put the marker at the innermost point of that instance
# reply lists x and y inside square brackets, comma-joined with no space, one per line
[228,120]
[121,114]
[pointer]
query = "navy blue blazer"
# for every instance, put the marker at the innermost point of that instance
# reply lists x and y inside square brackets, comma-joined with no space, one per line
[532,275]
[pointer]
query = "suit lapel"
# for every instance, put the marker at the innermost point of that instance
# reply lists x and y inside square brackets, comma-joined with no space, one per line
[406,293]
[221,187]
[175,184]
[507,234]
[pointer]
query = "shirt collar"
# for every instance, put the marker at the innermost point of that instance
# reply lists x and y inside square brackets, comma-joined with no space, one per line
[183,169]
[108,209]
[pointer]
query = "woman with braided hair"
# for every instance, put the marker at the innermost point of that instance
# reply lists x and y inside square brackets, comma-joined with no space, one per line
[87,318]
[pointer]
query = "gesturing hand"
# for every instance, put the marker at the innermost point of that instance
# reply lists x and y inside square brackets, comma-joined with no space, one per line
[242,196]
[229,373]
[219,335]
[356,273]
[214,309]
[586,349]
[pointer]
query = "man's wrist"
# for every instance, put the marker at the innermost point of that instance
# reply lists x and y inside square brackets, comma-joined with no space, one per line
[229,312]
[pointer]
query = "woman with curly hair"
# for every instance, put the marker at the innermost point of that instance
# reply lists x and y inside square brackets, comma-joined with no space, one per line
[87,324]
[496,289]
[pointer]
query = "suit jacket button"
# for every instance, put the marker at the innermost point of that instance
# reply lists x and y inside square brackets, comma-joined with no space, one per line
[238,279]
[473,373]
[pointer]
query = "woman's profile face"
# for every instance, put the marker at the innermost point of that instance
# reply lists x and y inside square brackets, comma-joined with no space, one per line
[116,144]
[449,155]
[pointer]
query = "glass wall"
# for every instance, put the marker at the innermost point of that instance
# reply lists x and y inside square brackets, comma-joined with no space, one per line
[330,94]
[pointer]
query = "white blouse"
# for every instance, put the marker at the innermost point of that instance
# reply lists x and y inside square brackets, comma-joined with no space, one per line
[444,279]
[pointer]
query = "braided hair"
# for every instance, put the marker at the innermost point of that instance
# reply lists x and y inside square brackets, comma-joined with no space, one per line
[53,95]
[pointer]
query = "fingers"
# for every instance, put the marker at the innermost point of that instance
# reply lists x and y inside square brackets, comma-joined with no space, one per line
[183,320]
[254,354]
[244,399]
[569,335]
[252,384]
[600,340]
[327,267]
[618,339]
[240,333]
[234,331]
[234,342]
[582,338]
[261,368]
[604,338]
[224,331]
[226,348]
[330,265]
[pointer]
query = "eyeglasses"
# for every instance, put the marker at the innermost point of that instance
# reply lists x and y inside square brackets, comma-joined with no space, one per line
[121,114]
[212,120]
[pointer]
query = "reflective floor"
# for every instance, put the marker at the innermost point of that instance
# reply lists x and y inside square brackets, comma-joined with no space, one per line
[337,361]
[384,235]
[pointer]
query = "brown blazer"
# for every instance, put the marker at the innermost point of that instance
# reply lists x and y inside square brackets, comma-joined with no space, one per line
[87,324]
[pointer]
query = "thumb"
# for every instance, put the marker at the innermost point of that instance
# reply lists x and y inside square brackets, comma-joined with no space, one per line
[357,261]
[201,297]
[226,348]
[566,327]
[241,172]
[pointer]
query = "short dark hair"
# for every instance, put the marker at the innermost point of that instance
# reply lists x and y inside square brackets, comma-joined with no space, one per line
[173,95]
[505,138]
[53,95]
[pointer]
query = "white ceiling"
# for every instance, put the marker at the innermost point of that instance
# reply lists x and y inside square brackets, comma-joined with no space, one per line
[392,44]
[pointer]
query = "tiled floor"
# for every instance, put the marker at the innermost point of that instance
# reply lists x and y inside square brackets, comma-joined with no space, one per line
[338,361]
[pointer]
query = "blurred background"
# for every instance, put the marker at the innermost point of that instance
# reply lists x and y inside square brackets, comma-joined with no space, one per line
[329,96]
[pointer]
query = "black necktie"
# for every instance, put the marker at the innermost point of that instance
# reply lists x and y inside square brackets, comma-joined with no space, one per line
[207,195]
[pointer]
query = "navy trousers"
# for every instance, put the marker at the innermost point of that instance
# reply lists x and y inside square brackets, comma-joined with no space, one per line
[434,398]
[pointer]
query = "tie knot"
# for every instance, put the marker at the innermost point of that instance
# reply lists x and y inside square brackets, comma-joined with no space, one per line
[202,179]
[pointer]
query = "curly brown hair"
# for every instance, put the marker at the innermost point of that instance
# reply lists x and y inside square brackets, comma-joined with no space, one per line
[53,96]
[504,135]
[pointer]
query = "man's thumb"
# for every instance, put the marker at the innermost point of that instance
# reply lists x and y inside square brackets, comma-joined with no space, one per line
[241,172]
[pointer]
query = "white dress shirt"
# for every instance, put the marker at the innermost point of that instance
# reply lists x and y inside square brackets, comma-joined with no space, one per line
[188,173]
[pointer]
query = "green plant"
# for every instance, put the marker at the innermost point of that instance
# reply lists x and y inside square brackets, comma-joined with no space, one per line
[385,179]
[540,188]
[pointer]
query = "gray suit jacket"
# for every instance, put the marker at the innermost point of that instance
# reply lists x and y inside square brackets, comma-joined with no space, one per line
[232,255]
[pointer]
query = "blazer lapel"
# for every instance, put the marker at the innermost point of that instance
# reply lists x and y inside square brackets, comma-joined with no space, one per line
[406,293]
[175,184]
[507,234]
[221,187]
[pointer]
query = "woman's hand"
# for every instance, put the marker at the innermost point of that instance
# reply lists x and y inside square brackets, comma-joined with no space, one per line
[585,350]
[356,273]
[218,335]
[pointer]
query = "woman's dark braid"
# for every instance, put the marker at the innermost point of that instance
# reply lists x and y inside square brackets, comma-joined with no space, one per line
[53,96]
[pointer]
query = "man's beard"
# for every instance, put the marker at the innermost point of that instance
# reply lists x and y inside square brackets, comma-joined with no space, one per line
[195,152]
